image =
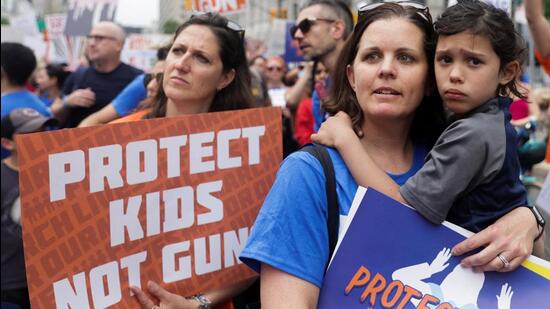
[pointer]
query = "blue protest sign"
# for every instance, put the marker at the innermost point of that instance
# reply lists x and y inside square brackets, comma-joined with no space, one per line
[391,257]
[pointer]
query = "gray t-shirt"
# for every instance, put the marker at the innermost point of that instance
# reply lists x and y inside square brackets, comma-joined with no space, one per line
[471,176]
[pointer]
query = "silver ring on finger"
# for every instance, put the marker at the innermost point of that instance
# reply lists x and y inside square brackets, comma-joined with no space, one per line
[504,260]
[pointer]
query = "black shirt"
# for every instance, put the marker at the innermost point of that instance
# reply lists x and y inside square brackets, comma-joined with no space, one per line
[106,87]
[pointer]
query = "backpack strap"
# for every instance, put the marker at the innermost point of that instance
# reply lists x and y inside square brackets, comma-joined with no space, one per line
[333,211]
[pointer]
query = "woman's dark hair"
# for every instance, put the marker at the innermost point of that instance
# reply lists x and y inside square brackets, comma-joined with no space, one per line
[236,95]
[59,71]
[429,118]
[483,19]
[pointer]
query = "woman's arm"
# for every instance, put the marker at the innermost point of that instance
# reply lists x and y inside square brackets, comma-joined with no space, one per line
[512,235]
[337,132]
[105,115]
[169,300]
[282,290]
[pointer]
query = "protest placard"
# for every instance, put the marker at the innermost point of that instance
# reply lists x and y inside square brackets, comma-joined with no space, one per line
[170,200]
[391,257]
[220,6]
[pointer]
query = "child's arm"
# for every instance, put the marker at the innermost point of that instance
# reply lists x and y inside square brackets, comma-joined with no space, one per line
[337,132]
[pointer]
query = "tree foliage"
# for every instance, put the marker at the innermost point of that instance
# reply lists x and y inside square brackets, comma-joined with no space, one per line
[170,26]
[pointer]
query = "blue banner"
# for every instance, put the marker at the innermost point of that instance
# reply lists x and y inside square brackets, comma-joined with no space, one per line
[391,257]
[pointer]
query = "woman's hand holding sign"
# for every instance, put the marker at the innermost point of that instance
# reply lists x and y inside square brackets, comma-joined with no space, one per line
[512,235]
[167,300]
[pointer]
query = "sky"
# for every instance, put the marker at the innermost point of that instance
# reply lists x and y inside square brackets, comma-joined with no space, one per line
[137,13]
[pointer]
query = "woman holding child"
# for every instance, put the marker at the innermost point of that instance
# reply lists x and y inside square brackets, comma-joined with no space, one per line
[385,83]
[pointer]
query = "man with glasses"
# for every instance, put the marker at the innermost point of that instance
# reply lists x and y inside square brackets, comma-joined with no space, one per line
[88,90]
[321,30]
[274,73]
[129,98]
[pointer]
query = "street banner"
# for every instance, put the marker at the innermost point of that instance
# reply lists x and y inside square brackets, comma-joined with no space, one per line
[221,6]
[170,200]
[391,257]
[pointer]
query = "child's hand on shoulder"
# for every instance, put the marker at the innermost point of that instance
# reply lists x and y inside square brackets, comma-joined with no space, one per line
[335,131]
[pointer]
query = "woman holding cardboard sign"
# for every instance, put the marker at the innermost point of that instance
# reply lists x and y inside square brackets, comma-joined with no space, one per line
[384,79]
[205,71]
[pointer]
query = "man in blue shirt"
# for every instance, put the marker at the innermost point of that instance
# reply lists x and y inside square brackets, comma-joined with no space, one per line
[18,63]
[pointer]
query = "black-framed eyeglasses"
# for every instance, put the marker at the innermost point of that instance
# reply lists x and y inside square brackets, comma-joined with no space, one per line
[306,23]
[421,9]
[229,24]
[99,38]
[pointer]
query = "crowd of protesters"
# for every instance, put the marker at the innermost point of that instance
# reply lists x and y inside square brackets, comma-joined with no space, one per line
[204,69]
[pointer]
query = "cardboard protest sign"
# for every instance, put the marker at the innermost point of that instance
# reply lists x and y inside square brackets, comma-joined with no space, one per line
[391,257]
[170,200]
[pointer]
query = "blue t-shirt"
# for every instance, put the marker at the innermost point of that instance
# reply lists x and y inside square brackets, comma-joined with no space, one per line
[44,98]
[290,231]
[21,99]
[126,101]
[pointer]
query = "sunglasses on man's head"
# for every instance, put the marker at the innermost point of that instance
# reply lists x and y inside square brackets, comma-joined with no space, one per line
[421,9]
[305,25]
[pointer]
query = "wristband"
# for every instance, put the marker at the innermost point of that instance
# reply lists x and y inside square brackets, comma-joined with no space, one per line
[204,303]
[540,221]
